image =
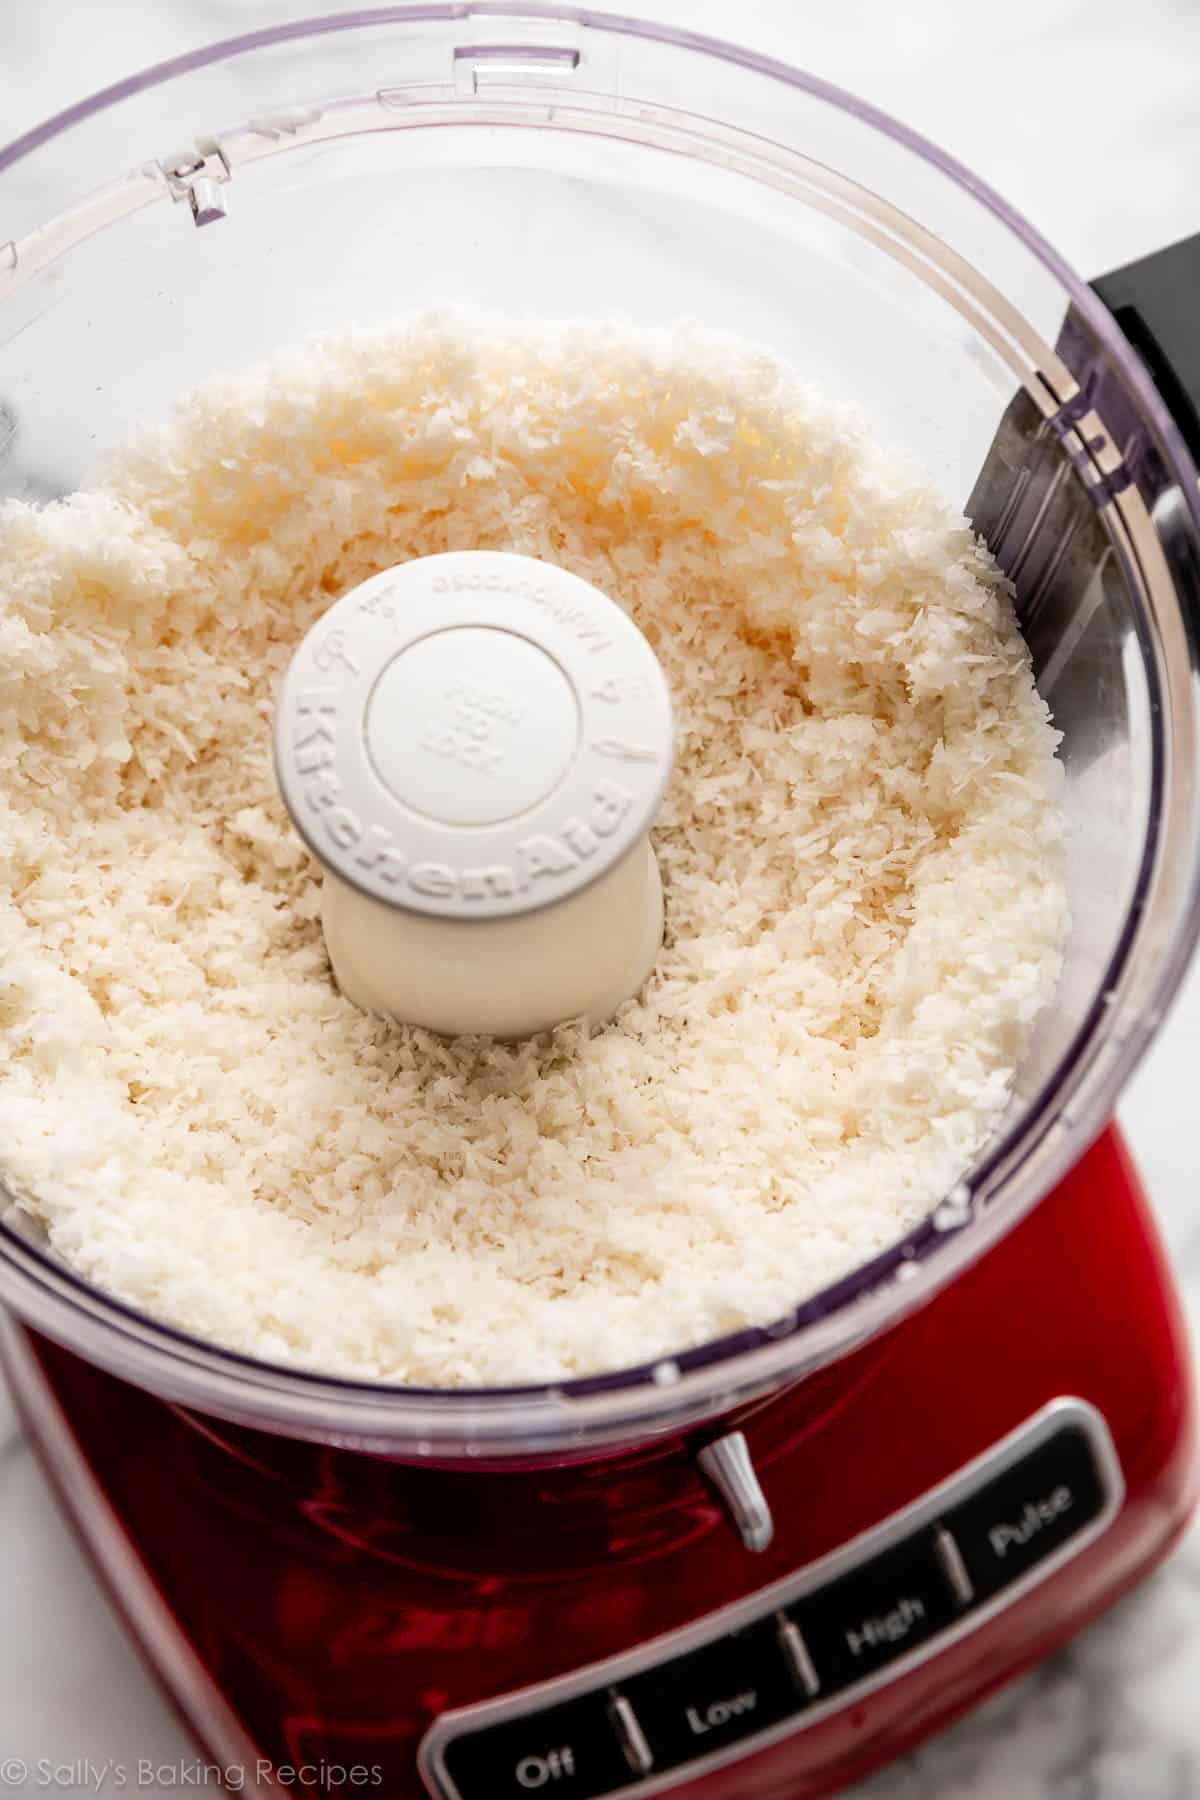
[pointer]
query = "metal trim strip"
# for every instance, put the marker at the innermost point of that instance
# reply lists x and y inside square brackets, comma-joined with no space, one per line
[599,1676]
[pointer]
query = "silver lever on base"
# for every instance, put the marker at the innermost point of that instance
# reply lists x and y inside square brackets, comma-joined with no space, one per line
[726,1466]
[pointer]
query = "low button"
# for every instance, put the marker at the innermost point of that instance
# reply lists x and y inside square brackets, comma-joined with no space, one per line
[1029,1512]
[719,1695]
[567,1752]
[877,1614]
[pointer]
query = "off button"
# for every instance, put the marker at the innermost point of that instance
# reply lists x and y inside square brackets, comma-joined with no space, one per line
[566,1752]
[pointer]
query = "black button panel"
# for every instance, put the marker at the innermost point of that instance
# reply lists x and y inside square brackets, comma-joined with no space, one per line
[795,1651]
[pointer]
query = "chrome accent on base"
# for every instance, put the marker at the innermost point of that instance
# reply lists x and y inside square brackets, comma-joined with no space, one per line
[955,1569]
[795,1655]
[726,1466]
[632,1738]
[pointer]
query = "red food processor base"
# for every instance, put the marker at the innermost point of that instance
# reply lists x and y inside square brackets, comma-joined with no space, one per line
[311,1608]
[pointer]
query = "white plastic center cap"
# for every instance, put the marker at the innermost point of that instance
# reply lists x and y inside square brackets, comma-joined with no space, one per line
[472,726]
[473,735]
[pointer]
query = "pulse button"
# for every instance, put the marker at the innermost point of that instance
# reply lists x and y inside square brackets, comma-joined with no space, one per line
[1026,1514]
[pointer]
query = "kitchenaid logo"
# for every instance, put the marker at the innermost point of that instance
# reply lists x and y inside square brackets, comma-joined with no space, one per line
[576,616]
[543,858]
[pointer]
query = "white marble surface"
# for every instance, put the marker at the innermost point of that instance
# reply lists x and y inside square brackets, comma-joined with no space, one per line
[1084,113]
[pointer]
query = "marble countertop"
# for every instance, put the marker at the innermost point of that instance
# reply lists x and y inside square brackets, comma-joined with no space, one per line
[1084,114]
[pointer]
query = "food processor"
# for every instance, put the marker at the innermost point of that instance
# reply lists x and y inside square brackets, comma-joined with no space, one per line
[768,1564]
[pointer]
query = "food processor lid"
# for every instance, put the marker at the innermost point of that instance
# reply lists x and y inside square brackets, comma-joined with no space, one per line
[473,735]
[555,69]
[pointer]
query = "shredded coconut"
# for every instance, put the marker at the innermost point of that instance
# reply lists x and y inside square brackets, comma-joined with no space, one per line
[860,850]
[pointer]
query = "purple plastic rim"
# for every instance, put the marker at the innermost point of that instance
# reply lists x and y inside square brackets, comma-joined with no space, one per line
[919,1245]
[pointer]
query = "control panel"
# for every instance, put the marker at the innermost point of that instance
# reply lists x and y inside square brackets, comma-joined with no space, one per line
[745,1676]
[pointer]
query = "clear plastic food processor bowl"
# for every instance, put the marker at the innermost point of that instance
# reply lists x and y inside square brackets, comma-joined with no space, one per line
[548,162]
